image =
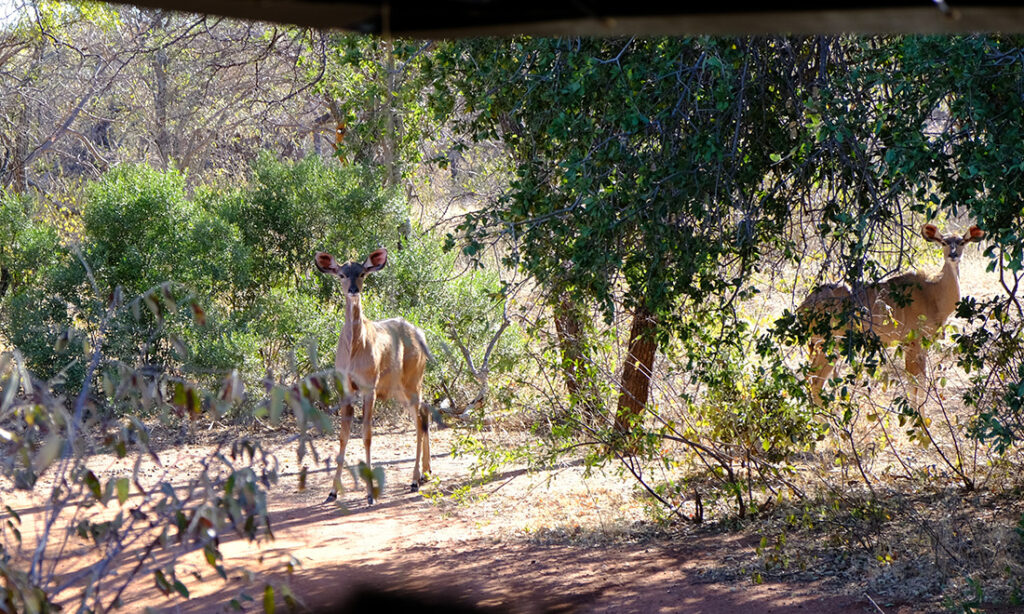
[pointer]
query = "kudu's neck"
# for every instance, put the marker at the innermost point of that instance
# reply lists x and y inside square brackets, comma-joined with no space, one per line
[356,325]
[951,272]
[948,284]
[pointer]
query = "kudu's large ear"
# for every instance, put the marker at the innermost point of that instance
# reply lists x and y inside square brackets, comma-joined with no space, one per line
[931,233]
[974,234]
[326,263]
[376,260]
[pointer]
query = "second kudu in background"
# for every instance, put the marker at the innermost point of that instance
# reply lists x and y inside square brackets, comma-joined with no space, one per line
[905,309]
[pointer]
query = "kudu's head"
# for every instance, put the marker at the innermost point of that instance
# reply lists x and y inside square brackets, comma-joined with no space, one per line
[952,245]
[351,274]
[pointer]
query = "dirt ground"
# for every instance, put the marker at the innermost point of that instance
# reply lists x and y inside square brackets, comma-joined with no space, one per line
[521,542]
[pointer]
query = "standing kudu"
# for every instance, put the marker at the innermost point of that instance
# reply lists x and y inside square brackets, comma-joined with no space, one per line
[382,360]
[904,309]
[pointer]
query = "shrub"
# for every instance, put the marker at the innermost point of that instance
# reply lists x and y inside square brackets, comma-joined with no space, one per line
[136,223]
[291,210]
[26,244]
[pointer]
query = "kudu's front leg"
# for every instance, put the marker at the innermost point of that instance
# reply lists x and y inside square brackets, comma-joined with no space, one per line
[820,371]
[344,432]
[916,362]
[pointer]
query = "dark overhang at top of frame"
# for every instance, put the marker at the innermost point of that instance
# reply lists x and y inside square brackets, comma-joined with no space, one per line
[469,18]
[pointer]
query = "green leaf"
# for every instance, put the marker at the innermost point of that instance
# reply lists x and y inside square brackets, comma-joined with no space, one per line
[122,486]
[276,404]
[12,389]
[180,397]
[107,383]
[48,453]
[93,483]
[14,531]
[211,554]
[162,584]
[268,599]
[62,342]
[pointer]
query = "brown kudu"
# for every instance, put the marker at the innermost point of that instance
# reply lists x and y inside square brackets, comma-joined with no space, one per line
[382,360]
[904,309]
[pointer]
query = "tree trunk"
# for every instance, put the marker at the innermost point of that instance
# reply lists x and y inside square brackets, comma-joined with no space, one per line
[572,344]
[19,155]
[636,372]
[5,280]
[391,136]
[161,98]
[19,174]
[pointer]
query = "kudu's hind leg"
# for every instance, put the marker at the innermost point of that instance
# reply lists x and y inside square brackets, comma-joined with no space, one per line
[367,440]
[425,416]
[344,432]
[422,425]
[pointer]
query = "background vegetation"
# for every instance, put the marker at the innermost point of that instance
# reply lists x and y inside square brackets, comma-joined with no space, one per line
[604,240]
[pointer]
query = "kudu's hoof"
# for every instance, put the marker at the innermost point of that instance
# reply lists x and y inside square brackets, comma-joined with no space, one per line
[331,497]
[414,487]
[369,500]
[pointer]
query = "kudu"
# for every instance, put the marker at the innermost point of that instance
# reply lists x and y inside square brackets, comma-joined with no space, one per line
[382,360]
[904,309]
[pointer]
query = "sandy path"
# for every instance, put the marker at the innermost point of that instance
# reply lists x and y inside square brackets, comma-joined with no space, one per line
[465,555]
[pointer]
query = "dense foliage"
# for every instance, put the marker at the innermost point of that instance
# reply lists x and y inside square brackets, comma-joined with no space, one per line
[663,177]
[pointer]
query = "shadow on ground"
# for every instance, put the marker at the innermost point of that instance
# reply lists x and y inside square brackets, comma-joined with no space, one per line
[521,578]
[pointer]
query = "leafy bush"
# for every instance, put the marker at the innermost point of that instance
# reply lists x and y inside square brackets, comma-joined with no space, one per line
[994,339]
[291,210]
[26,244]
[136,222]
[758,407]
[225,494]
[34,320]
